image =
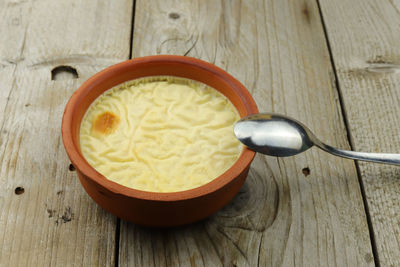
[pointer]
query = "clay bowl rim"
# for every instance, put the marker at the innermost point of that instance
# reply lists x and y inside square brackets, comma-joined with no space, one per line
[83,166]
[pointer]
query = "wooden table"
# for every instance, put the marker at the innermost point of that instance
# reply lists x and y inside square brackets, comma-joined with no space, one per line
[332,64]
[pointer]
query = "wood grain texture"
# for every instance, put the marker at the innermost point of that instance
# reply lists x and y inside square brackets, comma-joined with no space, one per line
[281,216]
[52,222]
[364,38]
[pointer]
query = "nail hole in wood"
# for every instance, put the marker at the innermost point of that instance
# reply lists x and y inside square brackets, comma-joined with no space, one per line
[306,13]
[174,15]
[306,171]
[64,73]
[71,167]
[19,190]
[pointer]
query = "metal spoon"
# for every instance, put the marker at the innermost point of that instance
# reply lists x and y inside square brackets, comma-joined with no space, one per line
[280,136]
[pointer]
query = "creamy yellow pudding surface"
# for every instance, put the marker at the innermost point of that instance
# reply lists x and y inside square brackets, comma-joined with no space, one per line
[160,134]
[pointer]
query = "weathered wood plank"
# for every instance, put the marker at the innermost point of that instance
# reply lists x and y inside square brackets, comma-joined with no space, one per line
[282,216]
[51,221]
[365,37]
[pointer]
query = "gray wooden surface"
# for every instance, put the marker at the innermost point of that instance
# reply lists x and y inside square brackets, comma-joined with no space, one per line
[365,46]
[331,64]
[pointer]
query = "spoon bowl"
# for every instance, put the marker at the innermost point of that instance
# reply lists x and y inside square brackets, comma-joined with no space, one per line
[273,135]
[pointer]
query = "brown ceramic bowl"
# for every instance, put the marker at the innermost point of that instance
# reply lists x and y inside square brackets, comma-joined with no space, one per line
[149,208]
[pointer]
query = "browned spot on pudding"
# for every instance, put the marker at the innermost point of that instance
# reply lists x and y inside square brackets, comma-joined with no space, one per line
[105,123]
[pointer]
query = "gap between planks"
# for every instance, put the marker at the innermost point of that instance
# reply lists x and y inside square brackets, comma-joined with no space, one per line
[346,124]
[118,228]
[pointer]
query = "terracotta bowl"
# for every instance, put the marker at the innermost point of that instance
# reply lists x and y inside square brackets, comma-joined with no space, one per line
[149,208]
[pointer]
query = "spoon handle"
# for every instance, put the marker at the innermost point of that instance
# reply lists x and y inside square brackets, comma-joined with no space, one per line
[386,158]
